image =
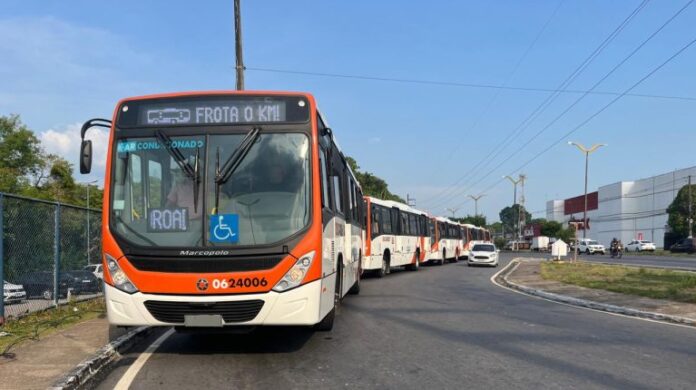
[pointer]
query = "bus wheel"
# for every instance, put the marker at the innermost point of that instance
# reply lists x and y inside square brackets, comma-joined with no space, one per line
[327,323]
[385,270]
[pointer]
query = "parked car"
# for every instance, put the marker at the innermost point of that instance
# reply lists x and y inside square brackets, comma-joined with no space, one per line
[590,247]
[483,254]
[96,269]
[640,246]
[12,293]
[686,245]
[40,284]
[84,282]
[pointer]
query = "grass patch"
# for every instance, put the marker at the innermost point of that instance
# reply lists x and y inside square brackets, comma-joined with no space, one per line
[677,286]
[39,324]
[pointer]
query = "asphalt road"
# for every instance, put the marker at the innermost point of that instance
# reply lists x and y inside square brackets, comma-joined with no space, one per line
[686,262]
[441,327]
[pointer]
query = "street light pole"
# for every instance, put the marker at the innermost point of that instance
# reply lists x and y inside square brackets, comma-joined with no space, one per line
[476,199]
[587,152]
[514,202]
[453,211]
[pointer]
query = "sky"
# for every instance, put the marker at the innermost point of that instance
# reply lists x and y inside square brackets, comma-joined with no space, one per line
[62,63]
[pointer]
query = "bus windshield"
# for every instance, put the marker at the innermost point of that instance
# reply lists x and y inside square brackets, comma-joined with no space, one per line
[154,203]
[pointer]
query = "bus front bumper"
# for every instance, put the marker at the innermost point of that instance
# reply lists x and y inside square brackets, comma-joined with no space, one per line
[299,306]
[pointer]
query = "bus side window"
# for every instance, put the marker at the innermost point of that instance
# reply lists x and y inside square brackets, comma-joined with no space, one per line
[388,226]
[338,199]
[350,216]
[325,202]
[376,218]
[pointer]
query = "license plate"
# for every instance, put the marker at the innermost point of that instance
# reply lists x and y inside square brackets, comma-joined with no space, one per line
[203,320]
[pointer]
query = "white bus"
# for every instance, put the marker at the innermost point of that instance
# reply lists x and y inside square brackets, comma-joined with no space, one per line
[395,236]
[448,241]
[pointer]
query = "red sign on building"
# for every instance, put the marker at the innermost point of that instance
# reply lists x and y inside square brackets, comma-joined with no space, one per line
[577,204]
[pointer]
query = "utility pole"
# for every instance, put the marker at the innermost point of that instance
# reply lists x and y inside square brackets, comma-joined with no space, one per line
[690,219]
[587,152]
[410,201]
[476,199]
[521,214]
[514,201]
[238,46]
[453,211]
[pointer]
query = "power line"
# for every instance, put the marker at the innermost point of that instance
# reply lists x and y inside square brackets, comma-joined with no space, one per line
[461,84]
[617,66]
[508,78]
[594,115]
[495,152]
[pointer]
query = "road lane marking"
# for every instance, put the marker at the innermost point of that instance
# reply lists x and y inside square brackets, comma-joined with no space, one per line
[579,307]
[127,378]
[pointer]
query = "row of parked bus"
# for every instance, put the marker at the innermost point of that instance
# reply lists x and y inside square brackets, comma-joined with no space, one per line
[399,235]
[238,208]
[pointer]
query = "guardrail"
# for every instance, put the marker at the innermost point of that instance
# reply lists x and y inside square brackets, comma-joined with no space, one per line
[44,248]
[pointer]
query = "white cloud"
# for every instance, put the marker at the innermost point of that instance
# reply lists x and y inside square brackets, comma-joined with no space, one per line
[374,140]
[65,142]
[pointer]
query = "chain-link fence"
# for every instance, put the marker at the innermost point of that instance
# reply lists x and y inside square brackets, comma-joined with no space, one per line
[49,254]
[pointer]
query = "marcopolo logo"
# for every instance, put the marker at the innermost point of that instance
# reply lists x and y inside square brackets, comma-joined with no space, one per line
[202,284]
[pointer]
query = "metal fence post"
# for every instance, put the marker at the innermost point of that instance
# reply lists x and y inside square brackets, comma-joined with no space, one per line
[56,254]
[2,258]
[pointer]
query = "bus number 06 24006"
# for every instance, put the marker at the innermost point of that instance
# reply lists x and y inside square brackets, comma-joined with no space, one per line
[239,282]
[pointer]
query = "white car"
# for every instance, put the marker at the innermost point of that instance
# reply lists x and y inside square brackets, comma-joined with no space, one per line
[590,247]
[640,246]
[96,269]
[483,254]
[13,292]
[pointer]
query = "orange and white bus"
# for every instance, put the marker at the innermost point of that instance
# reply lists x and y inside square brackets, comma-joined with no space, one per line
[397,235]
[447,245]
[226,209]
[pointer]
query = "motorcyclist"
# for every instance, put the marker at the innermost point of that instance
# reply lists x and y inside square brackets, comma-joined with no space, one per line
[615,247]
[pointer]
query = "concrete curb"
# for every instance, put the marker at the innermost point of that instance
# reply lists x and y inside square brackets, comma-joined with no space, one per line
[83,374]
[501,278]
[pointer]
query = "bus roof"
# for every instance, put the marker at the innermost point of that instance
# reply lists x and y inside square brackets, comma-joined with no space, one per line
[399,205]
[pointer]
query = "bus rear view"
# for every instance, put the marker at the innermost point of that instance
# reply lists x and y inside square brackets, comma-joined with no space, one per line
[213,212]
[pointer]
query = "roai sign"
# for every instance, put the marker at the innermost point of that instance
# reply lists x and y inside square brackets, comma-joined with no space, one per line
[162,220]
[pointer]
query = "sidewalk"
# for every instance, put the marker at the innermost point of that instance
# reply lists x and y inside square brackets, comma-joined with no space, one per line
[37,364]
[527,274]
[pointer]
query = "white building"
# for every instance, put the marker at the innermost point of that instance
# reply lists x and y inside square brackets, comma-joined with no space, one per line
[626,210]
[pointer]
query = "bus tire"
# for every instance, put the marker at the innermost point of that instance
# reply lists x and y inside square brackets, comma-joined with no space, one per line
[386,269]
[326,324]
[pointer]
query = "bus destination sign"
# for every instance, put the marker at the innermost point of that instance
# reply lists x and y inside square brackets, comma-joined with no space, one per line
[213,112]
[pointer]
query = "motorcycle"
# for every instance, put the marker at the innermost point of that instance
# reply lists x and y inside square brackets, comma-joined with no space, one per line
[617,250]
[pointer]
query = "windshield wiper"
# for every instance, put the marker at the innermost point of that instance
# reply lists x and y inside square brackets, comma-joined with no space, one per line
[222,175]
[190,172]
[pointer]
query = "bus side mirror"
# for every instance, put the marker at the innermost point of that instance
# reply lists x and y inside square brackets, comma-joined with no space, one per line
[86,157]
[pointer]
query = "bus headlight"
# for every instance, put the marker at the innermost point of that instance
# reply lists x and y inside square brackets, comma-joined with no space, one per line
[119,277]
[296,274]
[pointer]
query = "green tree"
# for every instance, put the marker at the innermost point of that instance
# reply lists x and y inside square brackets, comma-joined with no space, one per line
[476,220]
[20,154]
[508,216]
[371,184]
[678,211]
